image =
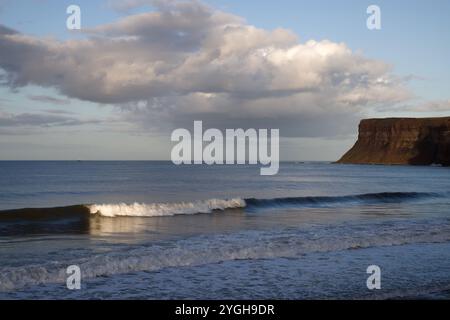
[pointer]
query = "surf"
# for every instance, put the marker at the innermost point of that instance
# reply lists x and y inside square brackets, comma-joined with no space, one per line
[165,209]
[213,205]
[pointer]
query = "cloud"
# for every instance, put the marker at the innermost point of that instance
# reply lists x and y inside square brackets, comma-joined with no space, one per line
[39,120]
[49,99]
[58,111]
[5,30]
[186,60]
[429,106]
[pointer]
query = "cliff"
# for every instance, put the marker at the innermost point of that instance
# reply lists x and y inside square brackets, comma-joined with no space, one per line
[422,141]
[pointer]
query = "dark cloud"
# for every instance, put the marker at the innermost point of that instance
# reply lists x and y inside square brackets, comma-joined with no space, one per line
[5,30]
[40,120]
[49,99]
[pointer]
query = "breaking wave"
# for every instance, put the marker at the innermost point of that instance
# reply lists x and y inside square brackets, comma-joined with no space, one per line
[165,209]
[208,206]
[216,248]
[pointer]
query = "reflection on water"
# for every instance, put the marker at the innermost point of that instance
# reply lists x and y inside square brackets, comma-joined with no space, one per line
[159,227]
[103,226]
[230,220]
[100,226]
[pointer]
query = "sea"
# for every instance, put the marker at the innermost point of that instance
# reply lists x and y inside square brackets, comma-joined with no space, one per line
[154,230]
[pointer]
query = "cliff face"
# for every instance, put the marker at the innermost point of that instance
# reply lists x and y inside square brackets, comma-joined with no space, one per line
[411,141]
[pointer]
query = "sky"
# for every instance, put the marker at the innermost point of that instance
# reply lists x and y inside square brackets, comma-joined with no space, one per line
[139,69]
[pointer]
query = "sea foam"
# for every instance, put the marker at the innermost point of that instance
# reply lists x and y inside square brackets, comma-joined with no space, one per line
[165,209]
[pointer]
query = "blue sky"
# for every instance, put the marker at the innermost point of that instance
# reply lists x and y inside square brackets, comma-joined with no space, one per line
[414,40]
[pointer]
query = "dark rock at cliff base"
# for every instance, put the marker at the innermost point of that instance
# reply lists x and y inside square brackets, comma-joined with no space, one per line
[421,141]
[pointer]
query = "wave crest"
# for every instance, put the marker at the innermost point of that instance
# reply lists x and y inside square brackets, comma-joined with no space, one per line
[208,206]
[367,198]
[164,209]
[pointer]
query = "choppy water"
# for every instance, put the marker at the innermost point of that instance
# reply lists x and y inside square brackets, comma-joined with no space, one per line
[155,230]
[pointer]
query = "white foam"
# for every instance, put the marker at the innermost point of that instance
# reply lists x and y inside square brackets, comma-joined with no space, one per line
[215,248]
[164,209]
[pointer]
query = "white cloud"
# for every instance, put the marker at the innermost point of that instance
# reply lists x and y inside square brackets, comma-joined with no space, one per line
[187,61]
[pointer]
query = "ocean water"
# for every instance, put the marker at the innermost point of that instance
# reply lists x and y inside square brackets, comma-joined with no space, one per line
[153,230]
